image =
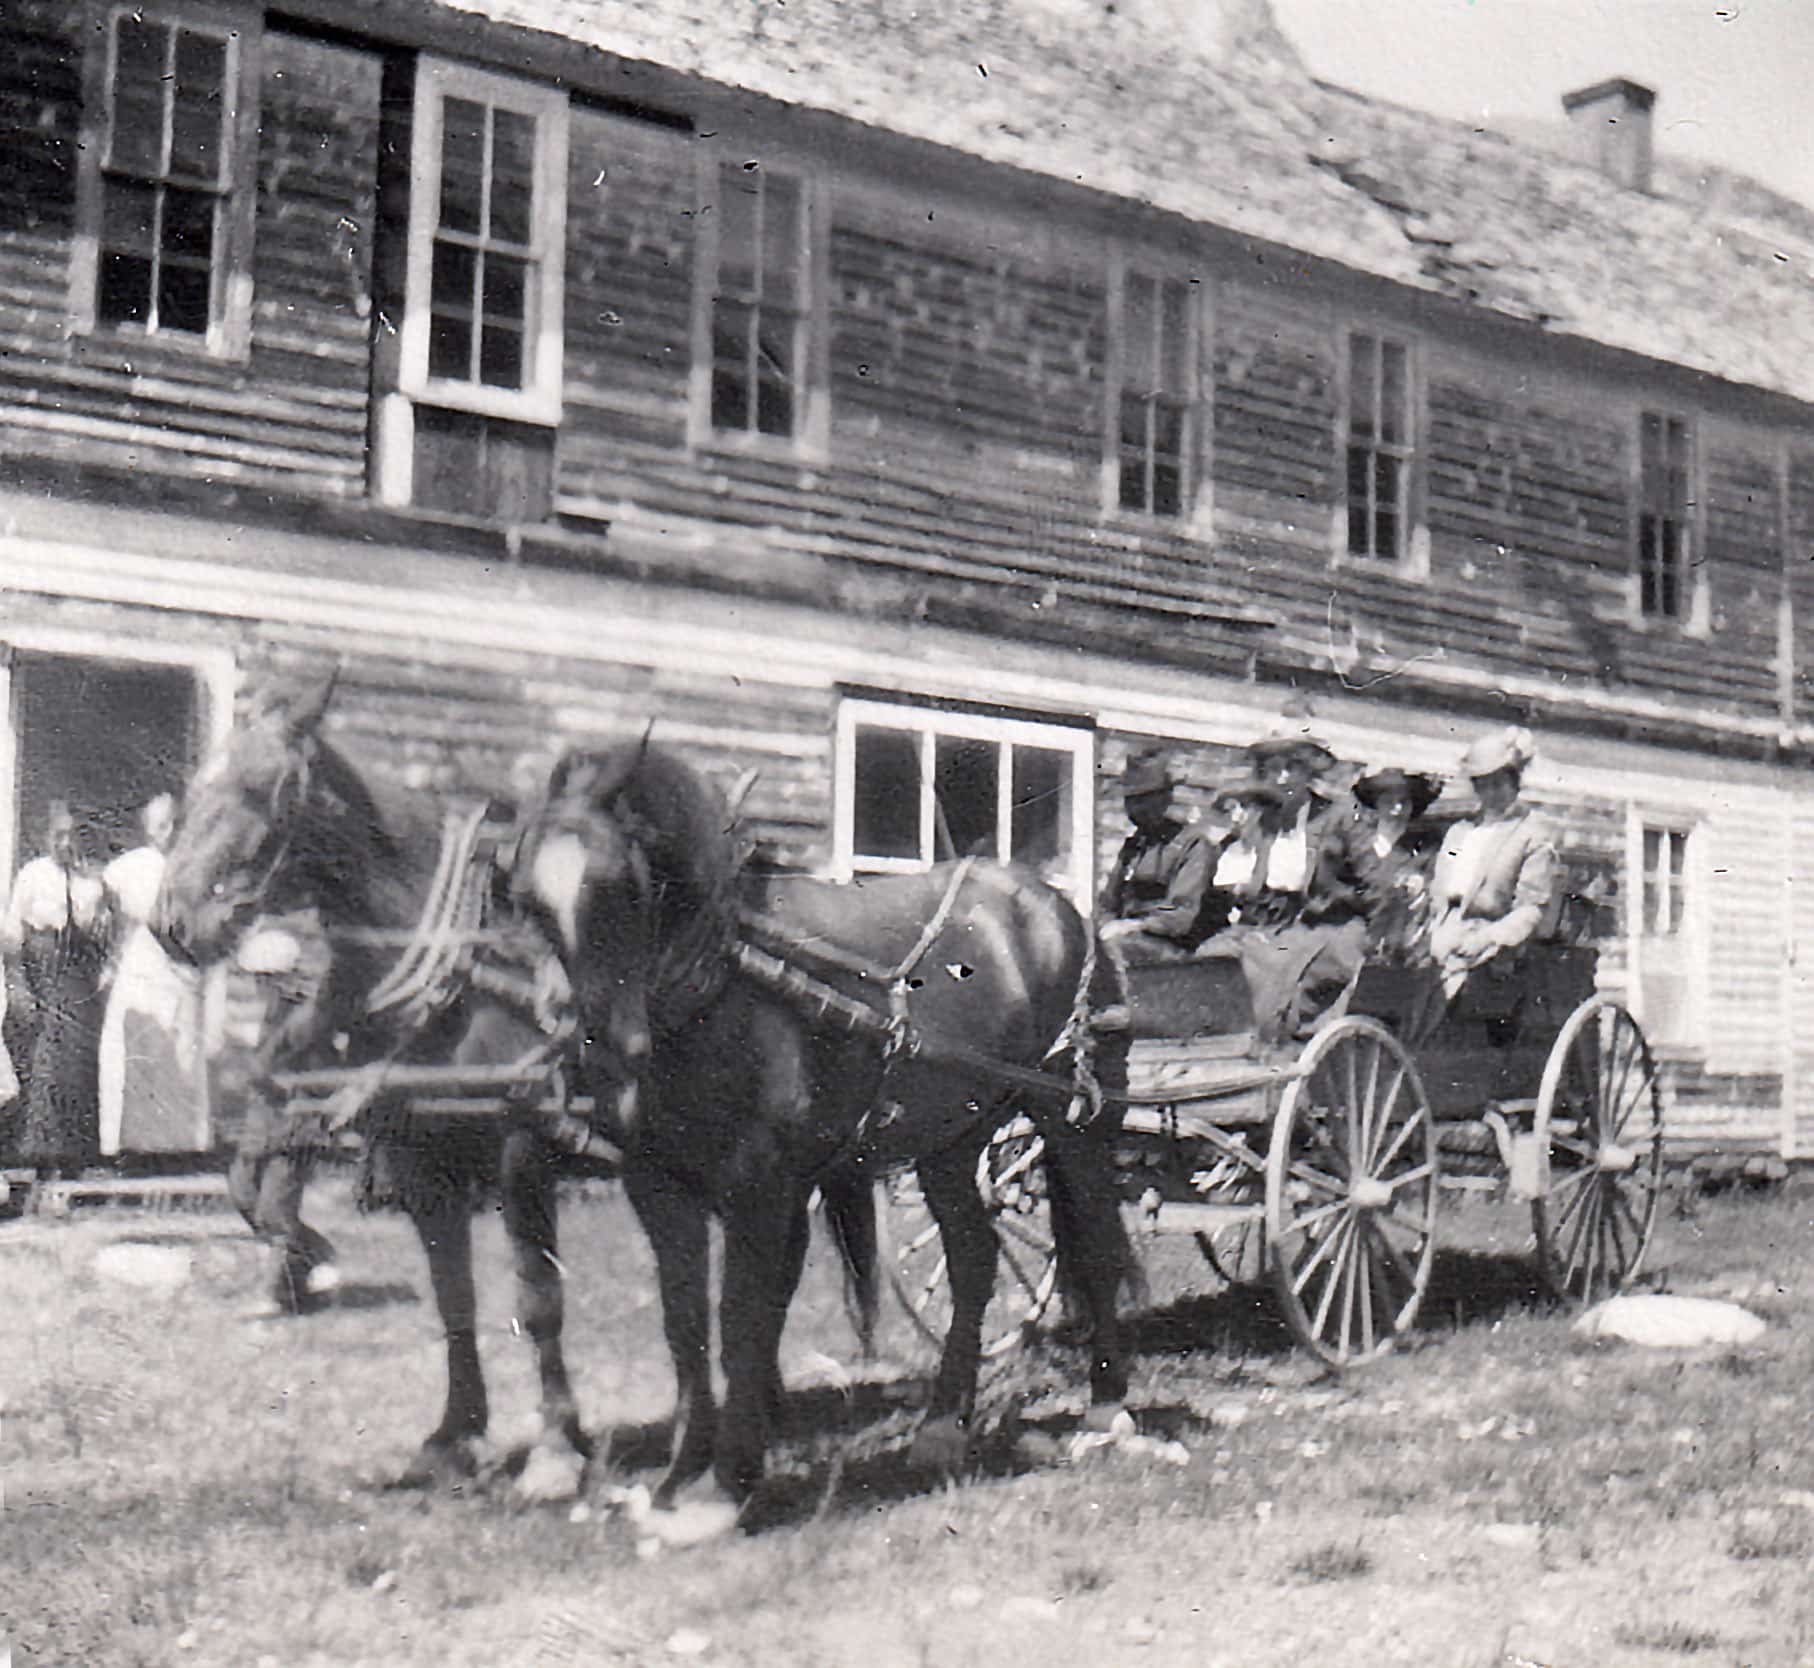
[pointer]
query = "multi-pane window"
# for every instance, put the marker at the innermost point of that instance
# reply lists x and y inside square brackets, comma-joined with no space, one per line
[1665,549]
[1158,354]
[1379,446]
[1665,952]
[1665,881]
[166,175]
[920,785]
[482,325]
[759,302]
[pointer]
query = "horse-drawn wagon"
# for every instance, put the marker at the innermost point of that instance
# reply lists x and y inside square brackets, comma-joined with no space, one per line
[1323,1165]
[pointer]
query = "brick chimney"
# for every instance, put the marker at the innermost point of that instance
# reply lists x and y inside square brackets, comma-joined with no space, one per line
[1611,123]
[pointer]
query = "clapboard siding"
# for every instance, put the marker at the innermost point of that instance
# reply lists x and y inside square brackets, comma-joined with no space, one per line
[1799,1006]
[293,414]
[1798,556]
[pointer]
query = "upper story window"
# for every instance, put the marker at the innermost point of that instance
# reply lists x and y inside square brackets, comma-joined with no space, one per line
[1155,415]
[487,229]
[760,299]
[1665,509]
[1380,446]
[165,207]
[918,785]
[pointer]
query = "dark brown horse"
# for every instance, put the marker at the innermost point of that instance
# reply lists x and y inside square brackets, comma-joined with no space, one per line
[753,1085]
[281,826]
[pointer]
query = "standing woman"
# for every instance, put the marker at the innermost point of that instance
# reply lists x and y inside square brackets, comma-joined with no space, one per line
[154,1094]
[56,923]
[1495,877]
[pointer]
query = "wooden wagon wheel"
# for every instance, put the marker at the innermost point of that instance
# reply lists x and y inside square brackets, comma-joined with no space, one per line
[1600,1123]
[1351,1189]
[1011,1178]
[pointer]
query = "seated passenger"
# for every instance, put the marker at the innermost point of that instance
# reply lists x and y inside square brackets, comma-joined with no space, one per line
[1152,906]
[1393,861]
[1301,912]
[1496,874]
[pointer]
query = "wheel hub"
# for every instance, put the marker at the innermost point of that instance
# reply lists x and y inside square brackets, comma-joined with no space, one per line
[1369,1193]
[1615,1160]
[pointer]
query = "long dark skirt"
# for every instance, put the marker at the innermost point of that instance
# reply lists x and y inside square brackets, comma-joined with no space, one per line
[59,1117]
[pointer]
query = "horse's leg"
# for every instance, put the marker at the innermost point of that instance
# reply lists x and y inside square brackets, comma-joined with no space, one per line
[451,1448]
[765,1234]
[948,1182]
[558,1457]
[675,1221]
[850,1212]
[1096,1259]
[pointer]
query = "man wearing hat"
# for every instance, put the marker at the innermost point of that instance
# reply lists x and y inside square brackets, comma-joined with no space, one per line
[1495,877]
[1154,902]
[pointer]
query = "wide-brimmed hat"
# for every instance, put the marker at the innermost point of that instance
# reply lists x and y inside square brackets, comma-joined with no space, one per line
[1510,748]
[1147,773]
[1291,734]
[1421,790]
[1248,790]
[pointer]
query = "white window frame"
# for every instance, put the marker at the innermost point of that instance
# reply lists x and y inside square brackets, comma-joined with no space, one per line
[1688,955]
[229,332]
[1193,489]
[1693,615]
[812,417]
[929,723]
[539,399]
[1412,559]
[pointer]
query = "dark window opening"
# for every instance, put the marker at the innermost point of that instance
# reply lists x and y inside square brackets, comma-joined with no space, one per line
[1379,447]
[1156,393]
[1664,447]
[164,180]
[758,308]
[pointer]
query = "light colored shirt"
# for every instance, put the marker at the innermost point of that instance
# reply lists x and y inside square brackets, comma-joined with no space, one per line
[133,878]
[45,894]
[1288,863]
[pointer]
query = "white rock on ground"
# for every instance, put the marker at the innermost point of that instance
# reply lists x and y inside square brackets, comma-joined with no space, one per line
[1668,1322]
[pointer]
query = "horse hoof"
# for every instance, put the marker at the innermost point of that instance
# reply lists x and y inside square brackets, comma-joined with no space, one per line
[692,1522]
[941,1445]
[549,1475]
[1109,1419]
[441,1463]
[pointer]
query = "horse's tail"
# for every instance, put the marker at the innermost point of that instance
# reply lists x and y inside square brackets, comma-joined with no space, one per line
[849,1200]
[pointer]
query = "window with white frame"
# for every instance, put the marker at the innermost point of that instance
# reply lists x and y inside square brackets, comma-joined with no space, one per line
[1155,410]
[168,177]
[1665,507]
[920,785]
[487,231]
[1380,446]
[760,301]
[1665,928]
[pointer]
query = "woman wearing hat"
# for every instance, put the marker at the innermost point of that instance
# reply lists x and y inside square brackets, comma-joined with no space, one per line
[56,923]
[1495,876]
[1393,865]
[1303,909]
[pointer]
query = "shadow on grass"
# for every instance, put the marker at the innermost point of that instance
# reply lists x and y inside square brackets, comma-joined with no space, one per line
[1468,1288]
[374,1294]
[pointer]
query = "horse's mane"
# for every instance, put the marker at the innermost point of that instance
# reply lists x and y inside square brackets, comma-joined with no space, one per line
[689,837]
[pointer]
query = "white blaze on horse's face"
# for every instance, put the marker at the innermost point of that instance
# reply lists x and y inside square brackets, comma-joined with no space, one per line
[557,877]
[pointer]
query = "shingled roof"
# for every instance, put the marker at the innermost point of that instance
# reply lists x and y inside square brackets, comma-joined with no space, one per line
[1220,124]
[1719,281]
[1112,95]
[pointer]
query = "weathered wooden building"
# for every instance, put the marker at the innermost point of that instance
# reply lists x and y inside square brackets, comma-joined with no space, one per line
[923,406]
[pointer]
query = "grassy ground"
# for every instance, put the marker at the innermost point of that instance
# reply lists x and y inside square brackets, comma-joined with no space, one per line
[184,1488]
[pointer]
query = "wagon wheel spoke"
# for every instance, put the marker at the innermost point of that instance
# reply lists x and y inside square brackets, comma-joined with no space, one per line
[1394,1258]
[1304,1221]
[1326,1248]
[1016,1229]
[1028,1285]
[1586,1223]
[1406,1127]
[1334,1186]
[1320,1324]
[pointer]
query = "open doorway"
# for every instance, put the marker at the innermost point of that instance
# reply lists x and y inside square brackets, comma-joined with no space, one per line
[103,736]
